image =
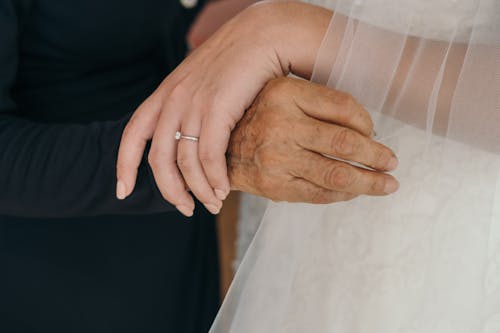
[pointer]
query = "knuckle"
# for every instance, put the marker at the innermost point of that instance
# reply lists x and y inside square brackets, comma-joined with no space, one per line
[168,190]
[207,158]
[319,196]
[154,159]
[345,115]
[184,162]
[170,196]
[345,142]
[339,177]
[367,120]
[382,157]
[268,159]
[206,104]
[217,101]
[350,111]
[129,130]
[346,100]
[133,130]
[178,93]
[345,105]
[277,88]
[209,101]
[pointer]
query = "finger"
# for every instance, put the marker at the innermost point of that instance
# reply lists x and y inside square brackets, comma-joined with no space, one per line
[191,169]
[214,138]
[344,143]
[331,105]
[162,158]
[301,190]
[136,134]
[343,177]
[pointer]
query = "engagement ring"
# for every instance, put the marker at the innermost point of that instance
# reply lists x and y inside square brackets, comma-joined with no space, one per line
[179,135]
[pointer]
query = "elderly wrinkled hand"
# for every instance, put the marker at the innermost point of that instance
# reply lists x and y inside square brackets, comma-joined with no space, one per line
[278,150]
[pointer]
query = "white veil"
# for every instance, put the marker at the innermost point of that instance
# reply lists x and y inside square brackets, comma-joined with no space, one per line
[426,259]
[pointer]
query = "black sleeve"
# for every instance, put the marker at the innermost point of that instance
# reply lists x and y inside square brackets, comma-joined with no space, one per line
[58,170]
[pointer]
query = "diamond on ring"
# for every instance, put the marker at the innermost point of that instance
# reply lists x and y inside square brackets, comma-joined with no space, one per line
[179,135]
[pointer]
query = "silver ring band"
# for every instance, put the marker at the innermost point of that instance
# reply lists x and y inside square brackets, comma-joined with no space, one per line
[179,135]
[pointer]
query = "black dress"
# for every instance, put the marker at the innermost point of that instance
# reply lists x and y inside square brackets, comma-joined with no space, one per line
[72,257]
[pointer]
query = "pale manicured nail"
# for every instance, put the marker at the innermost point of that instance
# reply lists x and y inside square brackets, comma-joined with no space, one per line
[185,210]
[121,190]
[391,186]
[220,194]
[393,163]
[213,208]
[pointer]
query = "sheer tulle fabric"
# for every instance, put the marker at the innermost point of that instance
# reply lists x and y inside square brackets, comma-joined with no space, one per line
[426,259]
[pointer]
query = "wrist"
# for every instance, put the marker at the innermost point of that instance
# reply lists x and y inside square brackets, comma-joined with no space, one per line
[293,31]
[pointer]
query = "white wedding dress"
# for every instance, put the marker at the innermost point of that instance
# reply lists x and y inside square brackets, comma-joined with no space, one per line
[426,259]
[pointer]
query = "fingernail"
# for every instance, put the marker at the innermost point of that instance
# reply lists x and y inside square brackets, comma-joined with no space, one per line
[391,186]
[121,190]
[185,210]
[213,208]
[220,194]
[393,163]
